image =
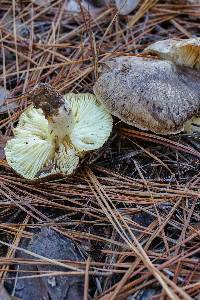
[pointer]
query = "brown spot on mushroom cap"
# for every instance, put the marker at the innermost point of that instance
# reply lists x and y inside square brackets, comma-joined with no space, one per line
[153,95]
[182,52]
[47,98]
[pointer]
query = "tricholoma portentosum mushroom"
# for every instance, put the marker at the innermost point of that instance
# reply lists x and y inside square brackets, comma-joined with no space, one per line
[157,93]
[50,137]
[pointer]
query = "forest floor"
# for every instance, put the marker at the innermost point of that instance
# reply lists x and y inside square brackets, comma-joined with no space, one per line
[126,225]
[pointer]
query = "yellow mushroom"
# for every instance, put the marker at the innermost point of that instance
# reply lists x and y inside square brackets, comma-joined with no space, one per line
[52,136]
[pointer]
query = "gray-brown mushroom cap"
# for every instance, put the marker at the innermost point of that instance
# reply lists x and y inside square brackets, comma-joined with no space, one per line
[150,94]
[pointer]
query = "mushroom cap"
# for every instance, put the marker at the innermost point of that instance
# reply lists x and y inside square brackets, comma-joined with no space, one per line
[148,93]
[181,52]
[55,109]
[46,97]
[36,151]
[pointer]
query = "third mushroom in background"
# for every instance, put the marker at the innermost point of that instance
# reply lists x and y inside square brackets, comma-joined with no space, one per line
[157,93]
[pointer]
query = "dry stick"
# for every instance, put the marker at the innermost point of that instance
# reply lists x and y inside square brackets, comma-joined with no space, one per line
[95,54]
[125,278]
[44,67]
[33,19]
[162,188]
[36,56]
[174,260]
[46,259]
[141,11]
[9,229]
[86,72]
[43,60]
[93,264]
[181,28]
[186,224]
[139,251]
[155,158]
[137,260]
[17,18]
[18,204]
[184,295]
[57,273]
[15,39]
[86,284]
[66,73]
[163,224]
[22,55]
[154,204]
[135,289]
[191,286]
[91,39]
[30,51]
[50,273]
[38,200]
[159,140]
[30,20]
[4,61]
[107,30]
[141,279]
[16,241]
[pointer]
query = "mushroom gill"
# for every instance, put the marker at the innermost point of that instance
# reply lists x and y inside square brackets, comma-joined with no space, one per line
[51,138]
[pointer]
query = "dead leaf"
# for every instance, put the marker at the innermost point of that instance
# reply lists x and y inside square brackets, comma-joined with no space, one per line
[92,6]
[5,105]
[4,294]
[194,1]
[22,30]
[98,3]
[125,7]
[42,2]
[3,141]
[72,6]
[49,244]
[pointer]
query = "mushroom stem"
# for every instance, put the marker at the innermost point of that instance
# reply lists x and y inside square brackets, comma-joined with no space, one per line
[60,124]
[55,108]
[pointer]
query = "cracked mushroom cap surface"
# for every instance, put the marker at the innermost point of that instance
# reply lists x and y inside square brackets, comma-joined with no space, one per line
[148,93]
[45,146]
